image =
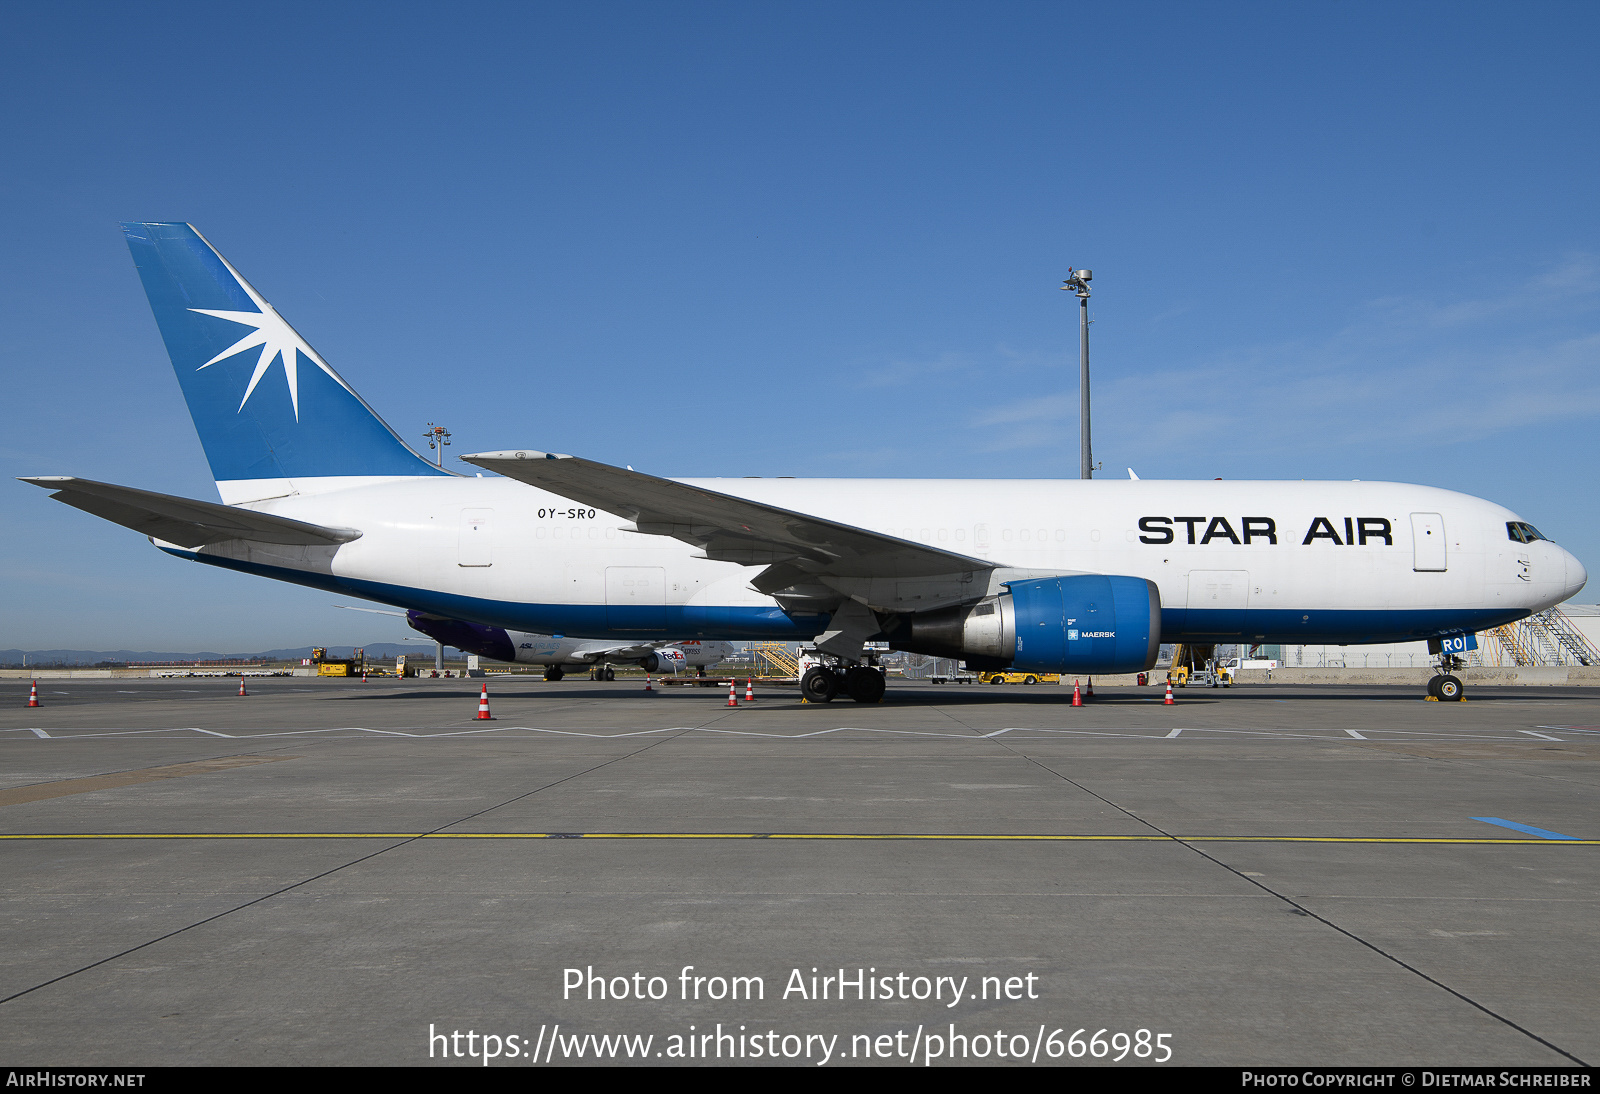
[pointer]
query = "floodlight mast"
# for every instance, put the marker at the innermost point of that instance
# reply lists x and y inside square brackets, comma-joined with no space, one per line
[438,438]
[1079,283]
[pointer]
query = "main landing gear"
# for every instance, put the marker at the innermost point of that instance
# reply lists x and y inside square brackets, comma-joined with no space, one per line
[553,673]
[1445,687]
[863,683]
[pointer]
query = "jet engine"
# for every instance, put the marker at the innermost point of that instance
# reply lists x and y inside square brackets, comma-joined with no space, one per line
[1087,623]
[666,659]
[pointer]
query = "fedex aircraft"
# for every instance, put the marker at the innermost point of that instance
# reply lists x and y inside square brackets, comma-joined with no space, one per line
[1079,576]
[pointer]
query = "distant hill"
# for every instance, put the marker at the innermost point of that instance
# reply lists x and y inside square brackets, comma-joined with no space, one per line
[377,651]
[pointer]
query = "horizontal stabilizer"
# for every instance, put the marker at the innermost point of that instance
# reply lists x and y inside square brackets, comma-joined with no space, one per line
[183,521]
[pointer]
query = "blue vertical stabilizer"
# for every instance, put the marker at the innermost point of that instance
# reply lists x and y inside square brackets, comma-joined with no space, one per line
[266,405]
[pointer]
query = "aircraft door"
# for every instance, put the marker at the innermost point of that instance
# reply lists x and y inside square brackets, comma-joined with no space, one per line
[1211,589]
[474,545]
[1427,542]
[1218,600]
[636,598]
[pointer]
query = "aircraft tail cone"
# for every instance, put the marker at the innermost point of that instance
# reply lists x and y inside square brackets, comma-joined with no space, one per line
[33,694]
[1077,695]
[732,702]
[749,690]
[1167,702]
[483,705]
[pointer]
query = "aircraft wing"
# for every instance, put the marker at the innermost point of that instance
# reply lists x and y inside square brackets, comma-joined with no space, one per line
[794,546]
[183,521]
[627,651]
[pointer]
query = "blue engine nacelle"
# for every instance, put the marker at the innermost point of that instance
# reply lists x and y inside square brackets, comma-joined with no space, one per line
[1087,623]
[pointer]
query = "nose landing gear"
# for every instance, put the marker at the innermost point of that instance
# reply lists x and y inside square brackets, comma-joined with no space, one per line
[1445,687]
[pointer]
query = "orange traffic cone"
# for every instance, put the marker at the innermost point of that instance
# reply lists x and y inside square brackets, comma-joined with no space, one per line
[749,690]
[363,676]
[647,686]
[732,702]
[241,687]
[33,694]
[1077,696]
[1167,702]
[483,706]
[1089,694]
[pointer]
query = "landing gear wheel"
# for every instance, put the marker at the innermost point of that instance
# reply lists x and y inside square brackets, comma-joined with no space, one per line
[864,685]
[1433,687]
[1449,688]
[553,672]
[610,673]
[819,685]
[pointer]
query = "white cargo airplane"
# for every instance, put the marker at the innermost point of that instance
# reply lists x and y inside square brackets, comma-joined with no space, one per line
[1041,575]
[557,652]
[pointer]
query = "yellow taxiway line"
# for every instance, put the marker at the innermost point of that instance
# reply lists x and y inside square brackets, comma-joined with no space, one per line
[953,836]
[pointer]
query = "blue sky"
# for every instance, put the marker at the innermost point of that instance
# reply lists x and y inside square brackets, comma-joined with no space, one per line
[1335,240]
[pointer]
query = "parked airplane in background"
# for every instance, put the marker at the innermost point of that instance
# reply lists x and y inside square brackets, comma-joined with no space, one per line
[1042,575]
[557,652]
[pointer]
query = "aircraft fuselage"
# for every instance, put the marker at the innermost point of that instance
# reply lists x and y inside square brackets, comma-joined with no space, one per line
[1263,561]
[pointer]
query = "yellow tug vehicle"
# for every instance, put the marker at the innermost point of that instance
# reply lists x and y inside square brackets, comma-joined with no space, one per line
[1019,678]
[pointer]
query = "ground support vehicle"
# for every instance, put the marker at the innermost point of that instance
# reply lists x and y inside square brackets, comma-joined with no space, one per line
[1009,677]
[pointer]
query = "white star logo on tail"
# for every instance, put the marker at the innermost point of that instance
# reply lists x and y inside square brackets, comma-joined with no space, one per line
[275,337]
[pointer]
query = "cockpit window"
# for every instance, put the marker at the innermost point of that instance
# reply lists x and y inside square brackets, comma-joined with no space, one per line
[1523,532]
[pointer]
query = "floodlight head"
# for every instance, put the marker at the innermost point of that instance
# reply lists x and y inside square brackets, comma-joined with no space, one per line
[1086,275]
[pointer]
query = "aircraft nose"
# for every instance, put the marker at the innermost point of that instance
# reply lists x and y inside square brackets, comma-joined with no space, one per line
[1577,577]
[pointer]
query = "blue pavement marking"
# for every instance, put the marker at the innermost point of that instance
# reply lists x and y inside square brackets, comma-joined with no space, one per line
[1542,833]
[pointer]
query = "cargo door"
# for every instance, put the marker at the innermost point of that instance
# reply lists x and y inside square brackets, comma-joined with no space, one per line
[1427,542]
[636,598]
[474,544]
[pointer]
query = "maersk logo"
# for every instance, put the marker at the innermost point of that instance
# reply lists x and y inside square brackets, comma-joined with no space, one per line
[277,339]
[1072,635]
[1099,634]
